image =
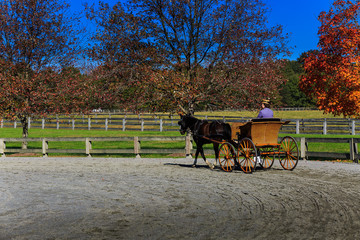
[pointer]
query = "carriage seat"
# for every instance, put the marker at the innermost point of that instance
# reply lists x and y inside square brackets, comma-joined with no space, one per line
[262,131]
[266,120]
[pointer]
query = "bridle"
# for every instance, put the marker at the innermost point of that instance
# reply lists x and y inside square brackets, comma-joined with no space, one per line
[190,126]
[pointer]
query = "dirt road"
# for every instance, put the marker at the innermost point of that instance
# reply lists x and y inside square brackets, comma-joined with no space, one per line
[96,198]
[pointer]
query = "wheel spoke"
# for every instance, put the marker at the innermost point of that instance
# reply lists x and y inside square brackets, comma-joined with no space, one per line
[267,157]
[246,154]
[227,157]
[288,153]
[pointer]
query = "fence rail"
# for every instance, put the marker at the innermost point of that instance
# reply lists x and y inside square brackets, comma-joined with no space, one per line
[87,147]
[137,150]
[352,154]
[166,123]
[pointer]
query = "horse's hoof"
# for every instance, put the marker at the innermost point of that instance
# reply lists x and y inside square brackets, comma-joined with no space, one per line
[212,166]
[194,166]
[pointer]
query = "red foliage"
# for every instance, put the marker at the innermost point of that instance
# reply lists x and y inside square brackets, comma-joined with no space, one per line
[26,93]
[218,54]
[332,73]
[38,37]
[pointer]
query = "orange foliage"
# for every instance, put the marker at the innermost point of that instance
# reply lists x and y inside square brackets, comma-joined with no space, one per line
[332,73]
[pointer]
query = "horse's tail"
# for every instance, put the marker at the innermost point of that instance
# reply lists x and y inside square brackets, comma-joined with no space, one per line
[227,132]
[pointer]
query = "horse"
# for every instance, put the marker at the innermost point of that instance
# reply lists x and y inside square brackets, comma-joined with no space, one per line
[203,132]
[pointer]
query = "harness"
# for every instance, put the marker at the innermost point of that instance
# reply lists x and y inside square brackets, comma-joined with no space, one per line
[196,126]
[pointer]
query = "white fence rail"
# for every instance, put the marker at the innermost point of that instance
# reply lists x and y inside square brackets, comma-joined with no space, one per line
[86,146]
[166,123]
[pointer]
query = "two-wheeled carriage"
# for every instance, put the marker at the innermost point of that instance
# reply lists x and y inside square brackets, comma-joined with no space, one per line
[256,142]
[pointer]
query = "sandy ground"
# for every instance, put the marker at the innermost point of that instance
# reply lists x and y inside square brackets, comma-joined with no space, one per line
[87,198]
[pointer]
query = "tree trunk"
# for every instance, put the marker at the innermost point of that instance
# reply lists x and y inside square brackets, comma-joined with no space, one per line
[191,108]
[25,133]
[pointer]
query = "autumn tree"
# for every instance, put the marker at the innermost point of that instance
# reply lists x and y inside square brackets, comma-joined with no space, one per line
[190,53]
[332,73]
[38,38]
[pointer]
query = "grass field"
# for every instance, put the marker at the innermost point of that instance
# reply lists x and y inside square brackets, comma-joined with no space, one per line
[40,133]
[278,114]
[248,114]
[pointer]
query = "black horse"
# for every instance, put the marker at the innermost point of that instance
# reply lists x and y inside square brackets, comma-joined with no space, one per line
[203,132]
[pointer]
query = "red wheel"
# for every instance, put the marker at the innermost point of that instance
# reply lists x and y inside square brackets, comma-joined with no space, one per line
[246,155]
[288,153]
[267,157]
[227,157]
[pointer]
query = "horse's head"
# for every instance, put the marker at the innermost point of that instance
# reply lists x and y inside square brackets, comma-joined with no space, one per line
[185,123]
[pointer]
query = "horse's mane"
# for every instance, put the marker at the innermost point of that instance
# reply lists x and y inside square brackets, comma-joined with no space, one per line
[191,117]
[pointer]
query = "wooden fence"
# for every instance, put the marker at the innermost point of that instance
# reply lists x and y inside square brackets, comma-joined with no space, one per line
[351,154]
[166,123]
[86,146]
[98,123]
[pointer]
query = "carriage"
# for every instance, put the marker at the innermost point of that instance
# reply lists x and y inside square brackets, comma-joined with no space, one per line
[256,143]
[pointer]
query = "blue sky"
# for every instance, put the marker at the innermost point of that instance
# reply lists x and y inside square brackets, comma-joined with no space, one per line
[298,17]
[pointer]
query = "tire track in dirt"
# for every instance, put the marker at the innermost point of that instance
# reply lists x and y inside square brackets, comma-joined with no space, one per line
[167,199]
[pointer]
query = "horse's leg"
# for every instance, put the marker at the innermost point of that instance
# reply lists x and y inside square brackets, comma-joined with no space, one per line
[203,156]
[196,156]
[216,149]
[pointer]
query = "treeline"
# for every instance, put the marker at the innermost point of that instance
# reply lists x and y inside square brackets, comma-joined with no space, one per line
[183,55]
[291,95]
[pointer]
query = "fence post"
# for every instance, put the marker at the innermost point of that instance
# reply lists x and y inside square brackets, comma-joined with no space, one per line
[353,150]
[42,123]
[303,148]
[89,123]
[137,147]
[24,145]
[106,124]
[73,123]
[45,146]
[325,127]
[297,126]
[2,147]
[142,125]
[188,146]
[123,124]
[353,127]
[2,123]
[161,125]
[15,124]
[356,151]
[29,122]
[88,147]
[57,124]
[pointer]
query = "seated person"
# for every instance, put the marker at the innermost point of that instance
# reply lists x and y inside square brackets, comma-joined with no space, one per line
[265,111]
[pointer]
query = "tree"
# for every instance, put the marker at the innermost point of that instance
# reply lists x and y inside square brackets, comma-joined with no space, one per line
[38,38]
[332,74]
[190,52]
[291,95]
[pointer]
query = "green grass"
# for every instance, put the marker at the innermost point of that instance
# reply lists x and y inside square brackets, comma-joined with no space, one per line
[250,114]
[40,133]
[316,147]
[308,114]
